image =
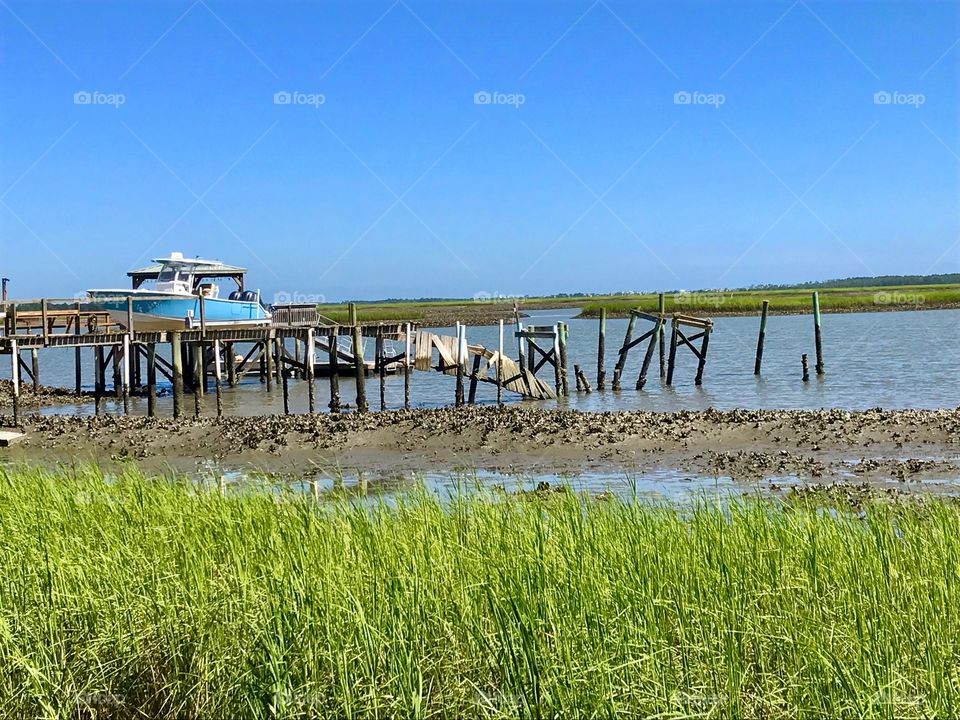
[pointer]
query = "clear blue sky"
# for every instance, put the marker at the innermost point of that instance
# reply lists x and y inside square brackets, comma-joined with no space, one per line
[399,184]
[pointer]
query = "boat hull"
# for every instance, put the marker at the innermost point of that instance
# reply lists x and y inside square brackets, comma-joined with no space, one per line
[158,312]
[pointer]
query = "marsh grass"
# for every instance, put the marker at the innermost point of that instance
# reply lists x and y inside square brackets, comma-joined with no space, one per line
[158,597]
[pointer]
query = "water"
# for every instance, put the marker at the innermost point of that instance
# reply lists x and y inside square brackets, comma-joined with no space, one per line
[885,359]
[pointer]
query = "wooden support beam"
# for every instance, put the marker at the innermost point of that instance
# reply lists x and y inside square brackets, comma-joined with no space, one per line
[359,367]
[622,359]
[761,336]
[818,338]
[217,379]
[152,380]
[601,349]
[334,374]
[176,357]
[309,355]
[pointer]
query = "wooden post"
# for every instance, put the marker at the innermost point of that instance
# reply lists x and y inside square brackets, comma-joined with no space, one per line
[458,399]
[217,380]
[662,311]
[334,372]
[698,380]
[35,368]
[296,357]
[806,370]
[15,376]
[381,368]
[817,336]
[519,325]
[130,313]
[125,373]
[672,361]
[77,357]
[278,347]
[648,355]
[500,367]
[152,380]
[406,369]
[601,350]
[43,318]
[268,359]
[203,316]
[286,390]
[359,367]
[581,378]
[230,355]
[198,379]
[117,382]
[761,336]
[309,352]
[176,360]
[99,379]
[562,344]
[3,293]
[622,359]
[474,379]
[557,380]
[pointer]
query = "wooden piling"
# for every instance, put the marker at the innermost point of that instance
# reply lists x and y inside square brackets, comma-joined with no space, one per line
[35,368]
[278,349]
[381,368]
[99,379]
[582,383]
[334,373]
[662,311]
[474,379]
[217,379]
[230,355]
[176,360]
[806,369]
[557,378]
[817,336]
[268,361]
[562,359]
[360,369]
[77,357]
[125,373]
[601,349]
[198,379]
[672,360]
[458,398]
[761,336]
[285,381]
[15,377]
[406,368]
[622,359]
[655,338]
[309,353]
[698,380]
[152,380]
[500,367]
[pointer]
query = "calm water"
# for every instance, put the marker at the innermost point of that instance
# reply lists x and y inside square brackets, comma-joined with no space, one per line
[890,360]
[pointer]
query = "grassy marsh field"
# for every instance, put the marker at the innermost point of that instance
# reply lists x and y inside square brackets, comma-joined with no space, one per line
[147,597]
[709,302]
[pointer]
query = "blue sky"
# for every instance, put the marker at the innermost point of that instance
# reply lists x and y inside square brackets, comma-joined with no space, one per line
[820,140]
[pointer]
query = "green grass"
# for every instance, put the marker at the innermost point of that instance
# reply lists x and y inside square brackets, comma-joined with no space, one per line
[901,297]
[138,597]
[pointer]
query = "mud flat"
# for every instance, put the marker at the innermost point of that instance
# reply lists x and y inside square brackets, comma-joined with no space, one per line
[42,397]
[824,445]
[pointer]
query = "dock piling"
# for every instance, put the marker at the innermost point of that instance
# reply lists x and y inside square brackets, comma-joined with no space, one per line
[562,341]
[176,360]
[125,373]
[817,336]
[334,372]
[152,380]
[458,398]
[500,367]
[761,336]
[601,349]
[406,368]
[309,354]
[359,367]
[14,374]
[662,312]
[217,379]
[805,368]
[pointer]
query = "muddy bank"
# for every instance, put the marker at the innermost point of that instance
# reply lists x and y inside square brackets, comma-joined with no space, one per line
[741,444]
[42,397]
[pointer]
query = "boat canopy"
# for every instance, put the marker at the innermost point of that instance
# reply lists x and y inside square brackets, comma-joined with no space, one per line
[200,269]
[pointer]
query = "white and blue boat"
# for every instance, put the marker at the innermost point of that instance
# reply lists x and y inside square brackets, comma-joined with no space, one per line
[173,303]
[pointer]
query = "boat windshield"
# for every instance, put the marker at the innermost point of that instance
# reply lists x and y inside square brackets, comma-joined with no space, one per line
[168,274]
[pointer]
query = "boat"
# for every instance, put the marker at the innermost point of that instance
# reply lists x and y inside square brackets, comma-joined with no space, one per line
[173,303]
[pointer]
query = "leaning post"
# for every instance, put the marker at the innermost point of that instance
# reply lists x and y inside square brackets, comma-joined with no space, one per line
[761,336]
[601,349]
